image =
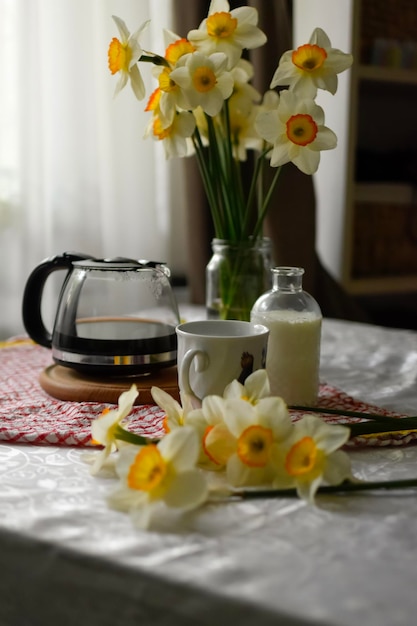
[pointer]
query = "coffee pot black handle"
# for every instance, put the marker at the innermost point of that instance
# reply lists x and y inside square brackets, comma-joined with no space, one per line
[32,295]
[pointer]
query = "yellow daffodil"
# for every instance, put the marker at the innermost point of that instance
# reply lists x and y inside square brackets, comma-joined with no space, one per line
[123,55]
[228,31]
[163,473]
[244,95]
[242,132]
[311,457]
[247,441]
[255,387]
[171,97]
[175,414]
[104,428]
[242,112]
[312,66]
[217,443]
[296,131]
[204,81]
[175,137]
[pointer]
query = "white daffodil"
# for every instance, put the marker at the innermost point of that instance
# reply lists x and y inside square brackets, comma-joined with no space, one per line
[311,457]
[312,66]
[175,414]
[248,438]
[255,387]
[171,97]
[228,31]
[217,443]
[296,131]
[205,81]
[123,55]
[104,428]
[176,136]
[270,101]
[242,132]
[164,473]
[244,95]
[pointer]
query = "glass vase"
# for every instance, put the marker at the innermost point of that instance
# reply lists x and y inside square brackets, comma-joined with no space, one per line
[236,275]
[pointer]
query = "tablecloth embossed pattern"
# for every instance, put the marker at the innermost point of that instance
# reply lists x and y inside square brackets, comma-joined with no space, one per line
[29,415]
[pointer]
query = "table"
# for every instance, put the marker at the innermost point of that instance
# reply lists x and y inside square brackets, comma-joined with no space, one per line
[66,558]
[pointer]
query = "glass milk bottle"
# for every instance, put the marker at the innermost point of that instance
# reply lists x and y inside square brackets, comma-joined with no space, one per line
[294,321]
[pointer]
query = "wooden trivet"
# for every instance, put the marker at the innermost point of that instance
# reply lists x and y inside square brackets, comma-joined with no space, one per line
[65,383]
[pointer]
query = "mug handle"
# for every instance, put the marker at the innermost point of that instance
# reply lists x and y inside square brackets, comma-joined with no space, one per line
[202,363]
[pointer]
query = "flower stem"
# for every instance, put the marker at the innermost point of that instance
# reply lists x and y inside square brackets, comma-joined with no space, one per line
[126,435]
[345,487]
[207,182]
[348,413]
[155,59]
[375,424]
[266,201]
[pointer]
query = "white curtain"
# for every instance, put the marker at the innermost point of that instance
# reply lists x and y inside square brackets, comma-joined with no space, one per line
[75,171]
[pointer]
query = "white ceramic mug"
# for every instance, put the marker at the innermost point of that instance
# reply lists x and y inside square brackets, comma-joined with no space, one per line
[213,353]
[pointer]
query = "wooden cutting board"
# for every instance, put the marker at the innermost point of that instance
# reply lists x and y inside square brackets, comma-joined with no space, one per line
[65,383]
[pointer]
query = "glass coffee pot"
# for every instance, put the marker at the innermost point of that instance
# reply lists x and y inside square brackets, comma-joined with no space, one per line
[115,317]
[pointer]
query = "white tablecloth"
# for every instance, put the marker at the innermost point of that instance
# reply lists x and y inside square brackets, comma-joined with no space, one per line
[66,558]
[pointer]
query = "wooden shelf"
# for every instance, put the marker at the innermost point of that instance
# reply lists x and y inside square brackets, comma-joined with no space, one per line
[382,285]
[387,74]
[386,192]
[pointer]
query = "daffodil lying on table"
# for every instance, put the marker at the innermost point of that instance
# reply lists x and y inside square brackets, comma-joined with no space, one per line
[247,434]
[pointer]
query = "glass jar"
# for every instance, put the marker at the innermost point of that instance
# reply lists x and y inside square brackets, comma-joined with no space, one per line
[294,320]
[236,275]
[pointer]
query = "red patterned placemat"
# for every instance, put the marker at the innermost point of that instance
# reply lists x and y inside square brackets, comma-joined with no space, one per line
[29,415]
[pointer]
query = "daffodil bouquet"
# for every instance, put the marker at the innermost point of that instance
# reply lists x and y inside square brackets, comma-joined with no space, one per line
[205,105]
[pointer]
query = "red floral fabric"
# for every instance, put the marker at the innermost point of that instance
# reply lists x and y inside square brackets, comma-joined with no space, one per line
[29,415]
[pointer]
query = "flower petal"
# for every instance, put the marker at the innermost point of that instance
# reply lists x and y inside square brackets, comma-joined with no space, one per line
[181,448]
[239,415]
[167,403]
[125,499]
[122,28]
[219,444]
[307,490]
[338,468]
[257,384]
[187,490]
[307,161]
[137,82]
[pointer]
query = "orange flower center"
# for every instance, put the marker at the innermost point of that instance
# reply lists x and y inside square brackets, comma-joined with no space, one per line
[159,131]
[119,56]
[154,99]
[254,445]
[301,129]
[303,457]
[204,79]
[165,425]
[177,49]
[205,447]
[309,57]
[221,25]
[147,470]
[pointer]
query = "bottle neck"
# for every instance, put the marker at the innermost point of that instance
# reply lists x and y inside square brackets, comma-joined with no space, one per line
[288,279]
